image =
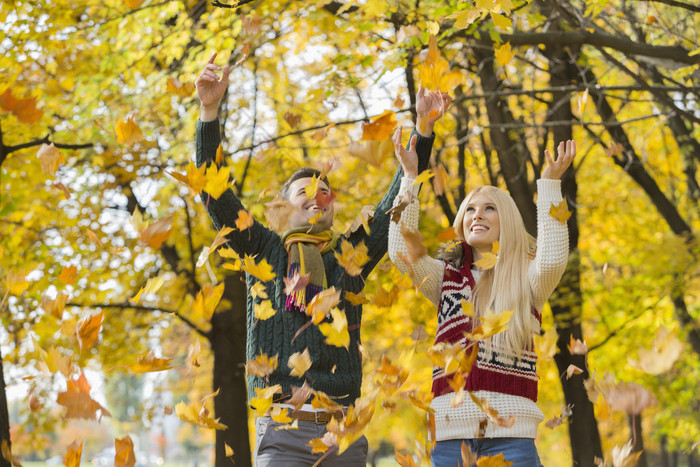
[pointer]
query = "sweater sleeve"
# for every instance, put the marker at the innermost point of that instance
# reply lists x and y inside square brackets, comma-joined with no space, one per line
[376,240]
[224,210]
[427,272]
[552,244]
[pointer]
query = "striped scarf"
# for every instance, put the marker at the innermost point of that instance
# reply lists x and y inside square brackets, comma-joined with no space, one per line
[305,248]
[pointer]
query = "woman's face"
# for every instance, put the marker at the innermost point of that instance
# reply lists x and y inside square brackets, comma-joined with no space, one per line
[481,223]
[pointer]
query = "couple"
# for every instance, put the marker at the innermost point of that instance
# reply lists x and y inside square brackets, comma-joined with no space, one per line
[517,283]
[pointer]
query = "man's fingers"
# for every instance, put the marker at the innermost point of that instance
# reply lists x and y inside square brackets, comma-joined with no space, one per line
[414,141]
[224,77]
[212,58]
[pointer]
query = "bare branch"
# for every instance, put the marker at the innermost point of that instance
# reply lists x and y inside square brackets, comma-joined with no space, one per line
[685,6]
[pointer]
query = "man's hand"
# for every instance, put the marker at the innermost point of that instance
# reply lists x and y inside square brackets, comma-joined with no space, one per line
[211,89]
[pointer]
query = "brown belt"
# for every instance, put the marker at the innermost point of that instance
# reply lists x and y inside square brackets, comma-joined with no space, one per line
[320,418]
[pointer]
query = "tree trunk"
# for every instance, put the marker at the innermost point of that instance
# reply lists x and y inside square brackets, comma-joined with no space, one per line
[635,422]
[4,415]
[228,341]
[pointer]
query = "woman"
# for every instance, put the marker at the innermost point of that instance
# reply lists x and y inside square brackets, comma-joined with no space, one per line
[504,373]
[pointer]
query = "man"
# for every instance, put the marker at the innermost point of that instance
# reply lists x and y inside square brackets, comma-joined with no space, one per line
[306,250]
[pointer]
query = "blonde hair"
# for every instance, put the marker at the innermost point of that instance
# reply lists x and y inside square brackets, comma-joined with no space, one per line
[506,287]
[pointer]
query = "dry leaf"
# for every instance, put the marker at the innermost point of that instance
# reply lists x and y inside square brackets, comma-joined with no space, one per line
[561,212]
[69,274]
[440,180]
[624,457]
[373,152]
[8,456]
[72,457]
[148,362]
[356,299]
[156,233]
[577,347]
[174,85]
[381,127]
[228,451]
[128,131]
[665,350]
[352,258]
[299,362]
[50,158]
[631,398]
[262,365]
[296,283]
[573,370]
[194,352]
[124,456]
[405,460]
[447,235]
[491,324]
[554,422]
[414,244]
[292,119]
[88,330]
[336,332]
[77,401]
[492,413]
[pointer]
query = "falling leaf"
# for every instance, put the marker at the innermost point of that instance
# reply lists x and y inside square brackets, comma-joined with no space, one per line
[124,449]
[128,131]
[218,241]
[64,189]
[312,187]
[502,22]
[464,18]
[556,421]
[88,330]
[336,332]
[561,212]
[491,324]
[321,134]
[8,456]
[50,158]
[406,32]
[280,414]
[194,177]
[504,54]
[468,309]
[322,303]
[380,128]
[405,460]
[423,177]
[198,416]
[414,244]
[174,85]
[261,270]
[317,446]
[69,274]
[24,109]
[156,233]
[262,365]
[373,152]
[264,310]
[497,460]
[468,457]
[219,159]
[52,361]
[244,220]
[631,398]
[402,202]
[665,350]
[492,413]
[546,344]
[263,399]
[54,306]
[419,333]
[300,395]
[352,258]
[228,451]
[356,299]
[452,357]
[258,291]
[194,352]
[299,362]
[16,282]
[277,213]
[206,301]
[296,283]
[386,298]
[577,347]
[216,180]
[148,362]
[72,457]
[292,119]
[434,71]
[614,150]
[399,102]
[582,101]
[133,4]
[489,259]
[151,286]
[573,370]
[624,457]
[92,236]
[440,179]
[251,24]
[77,401]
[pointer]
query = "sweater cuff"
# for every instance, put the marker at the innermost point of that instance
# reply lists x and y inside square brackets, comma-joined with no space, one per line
[549,189]
[208,133]
[408,186]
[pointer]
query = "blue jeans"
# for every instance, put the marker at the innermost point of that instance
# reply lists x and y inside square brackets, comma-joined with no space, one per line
[520,451]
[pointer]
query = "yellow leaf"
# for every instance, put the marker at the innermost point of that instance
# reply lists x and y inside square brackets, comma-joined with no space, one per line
[280,415]
[88,330]
[405,460]
[133,4]
[258,291]
[665,350]
[174,85]
[317,446]
[50,158]
[356,299]
[468,309]
[262,365]
[433,27]
[582,101]
[352,258]
[69,274]
[497,460]
[72,457]
[263,399]
[16,282]
[148,362]
[423,177]
[561,212]
[262,270]
[380,128]
[312,187]
[465,18]
[198,416]
[244,220]
[319,306]
[216,180]
[336,332]
[546,344]
[504,54]
[219,155]
[491,324]
[206,301]
[374,152]
[228,451]
[386,298]
[128,132]
[151,286]
[194,352]
[299,362]
[501,22]
[264,310]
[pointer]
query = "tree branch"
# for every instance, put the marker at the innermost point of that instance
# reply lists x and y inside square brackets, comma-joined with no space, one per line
[46,140]
[685,6]
[218,4]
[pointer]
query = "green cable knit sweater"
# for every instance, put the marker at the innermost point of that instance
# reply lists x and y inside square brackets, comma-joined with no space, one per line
[274,335]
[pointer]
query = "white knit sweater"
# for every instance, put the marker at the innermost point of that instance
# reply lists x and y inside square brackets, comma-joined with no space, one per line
[545,271]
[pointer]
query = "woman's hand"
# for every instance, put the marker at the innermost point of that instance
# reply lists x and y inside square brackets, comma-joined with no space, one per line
[211,89]
[556,168]
[407,158]
[430,106]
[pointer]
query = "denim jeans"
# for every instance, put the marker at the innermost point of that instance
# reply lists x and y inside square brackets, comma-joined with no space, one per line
[520,451]
[289,447]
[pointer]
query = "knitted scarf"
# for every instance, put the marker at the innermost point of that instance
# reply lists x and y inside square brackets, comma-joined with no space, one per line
[305,247]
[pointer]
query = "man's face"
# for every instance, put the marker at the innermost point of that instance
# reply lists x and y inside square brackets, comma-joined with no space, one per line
[315,210]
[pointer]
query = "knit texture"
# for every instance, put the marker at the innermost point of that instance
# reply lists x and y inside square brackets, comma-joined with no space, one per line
[508,382]
[337,371]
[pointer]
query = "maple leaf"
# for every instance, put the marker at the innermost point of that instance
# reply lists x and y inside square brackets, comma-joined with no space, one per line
[52,361]
[50,158]
[631,398]
[198,416]
[77,401]
[440,179]
[336,332]
[16,282]
[322,303]
[280,414]
[380,128]
[219,159]
[219,240]
[194,177]
[373,152]
[151,286]
[299,362]
[356,299]
[403,201]
[386,298]
[296,283]
[492,413]
[614,150]
[573,370]
[261,270]
[554,422]
[216,180]
[561,212]
[175,86]
[92,236]
[69,274]
[244,220]
[419,333]
[497,460]
[577,347]
[206,301]
[312,188]
[258,291]
[292,119]
[263,399]
[277,213]
[665,350]
[54,306]
[300,395]
[464,18]
[624,457]
[156,233]
[24,109]
[501,22]
[414,244]
[491,324]
[318,445]
[504,54]
[88,330]
[194,352]
[124,452]
[148,362]
[128,131]
[264,310]
[423,177]
[434,71]
[546,344]
[489,259]
[352,258]
[468,457]
[72,457]
[452,357]
[405,460]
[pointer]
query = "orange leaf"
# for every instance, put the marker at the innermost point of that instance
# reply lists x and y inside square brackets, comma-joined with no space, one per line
[317,446]
[156,233]
[77,401]
[56,305]
[489,259]
[381,127]
[88,330]
[124,456]
[492,413]
[405,460]
[386,298]
[263,399]
[8,456]
[147,362]
[440,180]
[374,152]
[447,235]
[414,244]
[352,258]
[94,238]
[244,220]
[561,212]
[497,460]
[50,158]
[207,299]
[356,299]
[128,131]
[174,85]
[292,119]
[69,274]
[72,457]
[261,366]
[24,109]
[277,214]
[219,155]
